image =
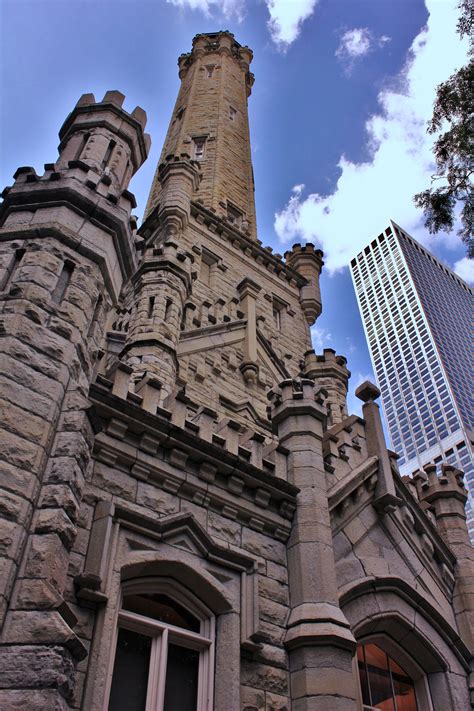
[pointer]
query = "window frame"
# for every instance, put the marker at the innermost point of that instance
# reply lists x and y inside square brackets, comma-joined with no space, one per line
[399,655]
[162,634]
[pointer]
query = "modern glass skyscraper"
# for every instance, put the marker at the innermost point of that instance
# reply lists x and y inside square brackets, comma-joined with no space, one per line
[417,316]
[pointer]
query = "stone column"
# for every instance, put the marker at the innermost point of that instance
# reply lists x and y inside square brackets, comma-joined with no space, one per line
[318,638]
[248,291]
[385,498]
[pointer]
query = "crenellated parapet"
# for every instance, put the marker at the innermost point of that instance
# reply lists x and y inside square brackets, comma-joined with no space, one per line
[308,261]
[101,148]
[110,141]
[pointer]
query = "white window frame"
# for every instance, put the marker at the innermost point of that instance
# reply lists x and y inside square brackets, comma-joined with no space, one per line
[163,634]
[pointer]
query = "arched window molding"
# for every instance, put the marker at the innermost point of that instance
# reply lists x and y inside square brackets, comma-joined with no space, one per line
[163,637]
[406,662]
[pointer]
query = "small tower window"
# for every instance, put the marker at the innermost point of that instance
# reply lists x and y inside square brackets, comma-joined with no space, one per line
[234,215]
[63,281]
[278,310]
[199,148]
[232,113]
[210,70]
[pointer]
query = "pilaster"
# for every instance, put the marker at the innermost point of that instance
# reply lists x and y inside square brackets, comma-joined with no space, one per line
[317,630]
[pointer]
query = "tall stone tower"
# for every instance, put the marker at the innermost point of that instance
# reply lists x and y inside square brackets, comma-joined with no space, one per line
[190,518]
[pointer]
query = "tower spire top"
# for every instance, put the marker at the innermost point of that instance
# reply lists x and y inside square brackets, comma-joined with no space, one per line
[209,124]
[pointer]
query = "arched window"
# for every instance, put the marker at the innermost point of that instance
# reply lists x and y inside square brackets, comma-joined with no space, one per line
[384,683]
[164,650]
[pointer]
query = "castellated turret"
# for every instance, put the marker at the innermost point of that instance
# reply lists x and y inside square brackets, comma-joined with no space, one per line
[66,246]
[330,372]
[308,261]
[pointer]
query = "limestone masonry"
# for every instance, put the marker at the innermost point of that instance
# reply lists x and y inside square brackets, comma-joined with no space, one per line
[190,518]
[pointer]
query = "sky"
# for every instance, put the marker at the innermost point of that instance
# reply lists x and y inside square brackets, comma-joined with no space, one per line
[338,112]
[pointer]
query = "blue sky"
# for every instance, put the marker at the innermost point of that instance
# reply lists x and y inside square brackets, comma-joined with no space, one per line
[337,115]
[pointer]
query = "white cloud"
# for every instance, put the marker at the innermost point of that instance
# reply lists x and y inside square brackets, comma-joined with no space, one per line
[354,43]
[320,338]
[465,269]
[286,19]
[286,16]
[357,43]
[227,8]
[368,194]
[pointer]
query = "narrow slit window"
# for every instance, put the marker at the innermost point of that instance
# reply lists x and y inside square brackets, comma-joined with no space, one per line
[168,307]
[151,306]
[108,154]
[95,315]
[232,113]
[63,281]
[82,145]
[210,70]
[11,269]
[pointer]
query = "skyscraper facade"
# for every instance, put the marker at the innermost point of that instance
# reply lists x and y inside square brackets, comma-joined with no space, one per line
[417,316]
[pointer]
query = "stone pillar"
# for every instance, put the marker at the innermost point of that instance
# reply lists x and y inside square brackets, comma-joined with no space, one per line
[329,371]
[66,273]
[319,641]
[385,498]
[446,497]
[248,291]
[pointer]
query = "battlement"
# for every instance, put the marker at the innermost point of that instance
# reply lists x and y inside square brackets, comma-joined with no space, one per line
[108,114]
[305,250]
[226,434]
[433,483]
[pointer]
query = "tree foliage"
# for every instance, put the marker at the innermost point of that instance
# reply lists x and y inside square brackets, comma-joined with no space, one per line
[453,149]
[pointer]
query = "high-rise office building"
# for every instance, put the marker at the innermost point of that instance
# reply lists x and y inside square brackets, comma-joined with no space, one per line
[417,314]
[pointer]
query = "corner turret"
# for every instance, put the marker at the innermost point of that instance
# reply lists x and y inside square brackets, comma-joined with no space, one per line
[308,261]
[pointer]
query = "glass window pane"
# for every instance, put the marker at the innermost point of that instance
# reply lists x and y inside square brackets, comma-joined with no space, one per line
[379,678]
[162,608]
[130,678]
[403,688]
[364,682]
[181,679]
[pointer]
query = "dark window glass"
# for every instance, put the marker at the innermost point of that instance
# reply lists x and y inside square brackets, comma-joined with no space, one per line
[162,608]
[384,684]
[132,660]
[181,679]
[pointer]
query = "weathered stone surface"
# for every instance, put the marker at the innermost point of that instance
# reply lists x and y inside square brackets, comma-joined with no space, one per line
[263,546]
[156,499]
[37,667]
[39,700]
[262,676]
[224,528]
